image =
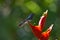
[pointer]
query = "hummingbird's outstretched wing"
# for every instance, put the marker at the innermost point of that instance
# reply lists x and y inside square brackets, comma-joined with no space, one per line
[29,18]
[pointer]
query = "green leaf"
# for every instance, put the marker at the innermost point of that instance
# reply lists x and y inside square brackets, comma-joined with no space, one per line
[32,6]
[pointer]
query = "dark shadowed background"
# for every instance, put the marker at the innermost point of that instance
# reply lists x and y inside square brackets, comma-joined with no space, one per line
[12,12]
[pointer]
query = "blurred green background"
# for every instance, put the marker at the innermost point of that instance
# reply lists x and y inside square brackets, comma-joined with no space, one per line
[12,12]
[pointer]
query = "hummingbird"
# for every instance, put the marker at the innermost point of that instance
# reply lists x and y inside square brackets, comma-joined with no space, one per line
[29,18]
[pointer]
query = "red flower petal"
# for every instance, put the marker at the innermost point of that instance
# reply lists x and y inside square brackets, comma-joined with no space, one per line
[43,20]
[36,30]
[46,34]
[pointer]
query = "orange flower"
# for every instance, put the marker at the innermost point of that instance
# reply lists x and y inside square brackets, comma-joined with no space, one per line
[37,30]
